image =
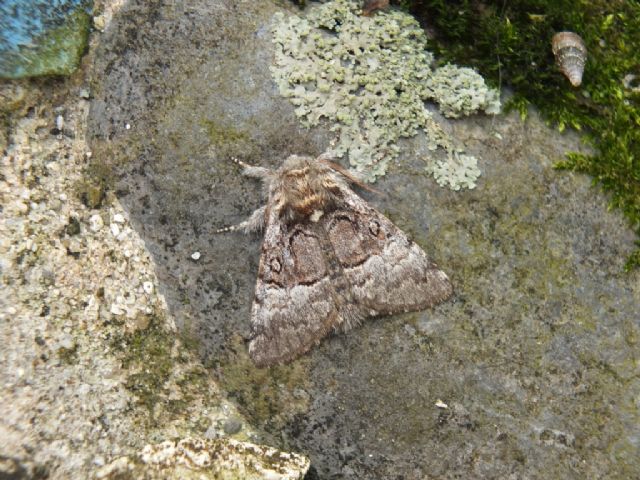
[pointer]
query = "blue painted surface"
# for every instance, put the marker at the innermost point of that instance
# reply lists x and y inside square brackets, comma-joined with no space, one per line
[24,22]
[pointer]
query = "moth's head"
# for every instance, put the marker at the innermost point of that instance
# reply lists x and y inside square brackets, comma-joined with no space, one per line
[304,187]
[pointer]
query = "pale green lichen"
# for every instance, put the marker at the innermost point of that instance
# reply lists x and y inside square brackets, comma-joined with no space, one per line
[462,91]
[456,172]
[370,78]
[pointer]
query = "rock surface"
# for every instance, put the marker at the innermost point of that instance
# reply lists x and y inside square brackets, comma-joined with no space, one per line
[197,459]
[536,355]
[531,371]
[91,366]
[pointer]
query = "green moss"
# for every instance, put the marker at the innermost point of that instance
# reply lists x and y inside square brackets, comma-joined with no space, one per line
[69,356]
[148,351]
[220,134]
[224,138]
[73,227]
[509,43]
[159,380]
[93,187]
[266,395]
[56,52]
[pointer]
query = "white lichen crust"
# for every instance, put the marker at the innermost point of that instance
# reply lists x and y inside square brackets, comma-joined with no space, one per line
[370,78]
[200,458]
[456,172]
[225,457]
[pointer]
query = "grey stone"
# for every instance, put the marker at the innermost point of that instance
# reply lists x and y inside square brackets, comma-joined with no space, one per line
[535,353]
[232,426]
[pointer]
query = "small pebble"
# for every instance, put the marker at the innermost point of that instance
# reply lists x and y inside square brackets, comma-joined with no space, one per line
[55,205]
[118,218]
[96,223]
[195,255]
[66,342]
[232,425]
[62,197]
[441,404]
[115,229]
[116,309]
[141,322]
[127,127]
[74,247]
[147,287]
[212,433]
[99,22]
[73,227]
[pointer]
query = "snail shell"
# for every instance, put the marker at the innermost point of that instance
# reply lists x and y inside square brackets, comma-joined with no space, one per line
[371,6]
[571,55]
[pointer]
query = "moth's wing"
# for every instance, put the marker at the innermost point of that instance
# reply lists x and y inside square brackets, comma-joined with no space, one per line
[295,302]
[388,273]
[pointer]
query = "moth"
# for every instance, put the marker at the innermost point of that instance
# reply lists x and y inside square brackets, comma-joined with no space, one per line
[328,261]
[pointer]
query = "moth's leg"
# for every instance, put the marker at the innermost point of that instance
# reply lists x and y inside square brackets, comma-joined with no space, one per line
[261,173]
[252,224]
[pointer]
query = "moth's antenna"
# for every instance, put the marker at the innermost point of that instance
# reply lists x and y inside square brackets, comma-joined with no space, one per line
[240,162]
[350,176]
[261,173]
[231,228]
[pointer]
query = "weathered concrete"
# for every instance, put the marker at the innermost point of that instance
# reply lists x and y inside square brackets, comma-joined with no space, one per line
[533,364]
[93,373]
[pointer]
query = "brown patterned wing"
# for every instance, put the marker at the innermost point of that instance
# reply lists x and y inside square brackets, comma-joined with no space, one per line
[295,303]
[387,272]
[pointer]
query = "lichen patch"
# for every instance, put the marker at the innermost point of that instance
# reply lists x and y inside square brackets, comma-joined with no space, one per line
[370,77]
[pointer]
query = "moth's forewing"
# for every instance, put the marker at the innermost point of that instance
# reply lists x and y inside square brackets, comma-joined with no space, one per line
[388,273]
[294,305]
